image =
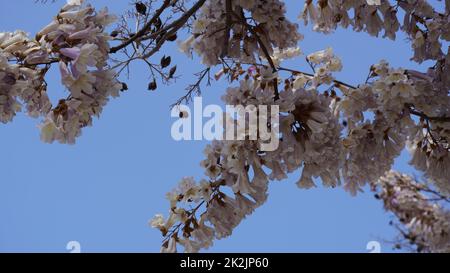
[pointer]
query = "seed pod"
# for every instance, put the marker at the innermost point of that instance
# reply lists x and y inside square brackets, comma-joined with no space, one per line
[172,71]
[141,8]
[172,38]
[152,85]
[124,87]
[165,61]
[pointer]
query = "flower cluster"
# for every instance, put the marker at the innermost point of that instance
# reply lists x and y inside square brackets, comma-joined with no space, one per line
[221,32]
[20,79]
[324,63]
[77,37]
[432,156]
[427,224]
[370,16]
[370,150]
[372,144]
[422,23]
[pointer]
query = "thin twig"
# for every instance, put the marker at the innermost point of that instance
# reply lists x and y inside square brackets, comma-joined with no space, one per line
[143,30]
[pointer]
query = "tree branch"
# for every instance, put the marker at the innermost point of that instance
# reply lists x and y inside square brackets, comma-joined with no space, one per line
[311,75]
[143,30]
[175,27]
[228,23]
[424,116]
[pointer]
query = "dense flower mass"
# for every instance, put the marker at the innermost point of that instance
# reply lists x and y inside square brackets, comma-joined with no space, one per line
[19,83]
[327,130]
[221,31]
[392,96]
[76,38]
[78,35]
[427,225]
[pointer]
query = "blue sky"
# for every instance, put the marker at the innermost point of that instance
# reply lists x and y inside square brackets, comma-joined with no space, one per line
[103,190]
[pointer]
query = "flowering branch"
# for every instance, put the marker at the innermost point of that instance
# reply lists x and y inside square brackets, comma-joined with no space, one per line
[323,127]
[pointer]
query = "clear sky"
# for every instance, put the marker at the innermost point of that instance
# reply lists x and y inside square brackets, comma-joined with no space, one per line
[103,190]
